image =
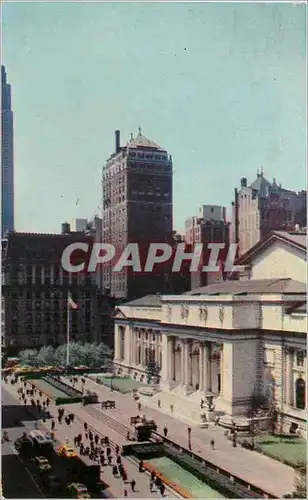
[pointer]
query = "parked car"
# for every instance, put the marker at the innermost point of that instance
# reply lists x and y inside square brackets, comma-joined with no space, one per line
[41,463]
[78,490]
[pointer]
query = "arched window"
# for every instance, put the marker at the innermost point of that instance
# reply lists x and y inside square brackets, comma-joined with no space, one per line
[138,355]
[300,390]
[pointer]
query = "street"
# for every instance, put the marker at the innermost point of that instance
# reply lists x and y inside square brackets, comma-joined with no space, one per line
[17,480]
[262,471]
[64,433]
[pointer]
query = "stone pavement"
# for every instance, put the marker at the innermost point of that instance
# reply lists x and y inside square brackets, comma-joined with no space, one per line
[116,485]
[260,470]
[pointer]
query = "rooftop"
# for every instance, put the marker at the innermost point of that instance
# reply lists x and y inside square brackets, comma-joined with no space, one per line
[272,286]
[147,301]
[142,142]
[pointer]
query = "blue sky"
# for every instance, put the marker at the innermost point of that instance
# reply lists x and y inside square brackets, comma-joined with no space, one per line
[220,86]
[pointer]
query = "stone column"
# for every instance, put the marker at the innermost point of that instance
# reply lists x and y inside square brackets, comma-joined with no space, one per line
[186,364]
[165,360]
[117,345]
[182,375]
[207,368]
[289,378]
[221,370]
[201,367]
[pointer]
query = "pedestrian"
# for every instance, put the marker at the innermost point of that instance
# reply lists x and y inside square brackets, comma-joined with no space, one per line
[40,394]
[165,431]
[128,436]
[47,401]
[96,439]
[141,468]
[171,408]
[151,485]
[108,451]
[109,459]
[119,460]
[59,419]
[53,424]
[125,493]
[124,475]
[114,470]
[117,449]
[162,489]
[133,485]
[85,425]
[212,444]
[90,436]
[139,406]
[153,476]
[158,403]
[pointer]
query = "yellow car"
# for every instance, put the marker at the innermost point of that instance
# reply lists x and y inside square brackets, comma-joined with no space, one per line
[42,464]
[78,490]
[67,451]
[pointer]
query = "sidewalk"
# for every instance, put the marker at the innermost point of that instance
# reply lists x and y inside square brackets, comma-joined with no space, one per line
[260,470]
[116,485]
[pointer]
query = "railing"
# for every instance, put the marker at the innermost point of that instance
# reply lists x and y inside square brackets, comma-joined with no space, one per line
[231,482]
[219,475]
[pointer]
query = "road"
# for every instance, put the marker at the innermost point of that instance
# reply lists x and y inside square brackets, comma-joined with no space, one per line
[260,470]
[64,432]
[17,480]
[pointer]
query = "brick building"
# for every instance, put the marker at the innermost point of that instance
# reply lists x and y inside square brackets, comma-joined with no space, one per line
[210,226]
[263,207]
[137,208]
[35,290]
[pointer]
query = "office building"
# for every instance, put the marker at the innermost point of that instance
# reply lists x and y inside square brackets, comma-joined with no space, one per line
[7,157]
[137,208]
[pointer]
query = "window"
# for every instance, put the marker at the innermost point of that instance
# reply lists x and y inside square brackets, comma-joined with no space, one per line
[300,356]
[300,390]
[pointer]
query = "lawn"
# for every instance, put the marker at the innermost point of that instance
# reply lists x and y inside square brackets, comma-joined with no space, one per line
[292,450]
[121,384]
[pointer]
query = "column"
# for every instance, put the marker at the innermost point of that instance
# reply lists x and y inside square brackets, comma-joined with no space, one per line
[221,370]
[201,367]
[182,374]
[186,364]
[165,358]
[289,378]
[170,358]
[207,368]
[117,343]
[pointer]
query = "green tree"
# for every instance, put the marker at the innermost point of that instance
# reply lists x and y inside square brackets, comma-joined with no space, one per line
[46,355]
[300,483]
[152,369]
[29,357]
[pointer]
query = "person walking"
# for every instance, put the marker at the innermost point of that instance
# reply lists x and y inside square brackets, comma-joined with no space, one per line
[133,485]
[151,484]
[165,431]
[212,444]
[53,424]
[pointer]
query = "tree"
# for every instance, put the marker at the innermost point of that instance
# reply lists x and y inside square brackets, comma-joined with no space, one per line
[29,357]
[300,482]
[92,355]
[46,355]
[152,370]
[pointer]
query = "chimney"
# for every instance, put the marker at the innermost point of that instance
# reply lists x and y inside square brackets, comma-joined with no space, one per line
[243,182]
[117,141]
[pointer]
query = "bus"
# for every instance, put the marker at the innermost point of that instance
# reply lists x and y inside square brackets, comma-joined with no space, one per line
[83,470]
[35,443]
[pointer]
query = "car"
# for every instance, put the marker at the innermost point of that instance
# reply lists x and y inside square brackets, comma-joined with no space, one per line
[67,451]
[53,483]
[41,463]
[78,490]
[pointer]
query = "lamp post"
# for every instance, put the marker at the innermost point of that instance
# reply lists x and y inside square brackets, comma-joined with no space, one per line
[189,437]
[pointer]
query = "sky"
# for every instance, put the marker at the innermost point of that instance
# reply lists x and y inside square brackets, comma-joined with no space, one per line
[221,86]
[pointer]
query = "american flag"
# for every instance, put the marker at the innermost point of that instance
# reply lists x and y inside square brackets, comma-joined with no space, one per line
[71,303]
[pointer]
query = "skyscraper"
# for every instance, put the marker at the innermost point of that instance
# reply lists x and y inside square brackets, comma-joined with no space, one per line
[7,157]
[137,208]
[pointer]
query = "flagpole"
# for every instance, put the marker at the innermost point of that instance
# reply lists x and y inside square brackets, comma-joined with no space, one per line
[68,328]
